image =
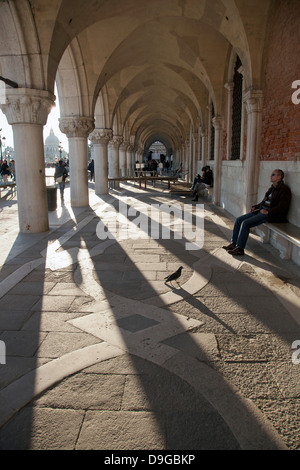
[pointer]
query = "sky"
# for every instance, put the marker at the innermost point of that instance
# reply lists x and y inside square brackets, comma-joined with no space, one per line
[52,122]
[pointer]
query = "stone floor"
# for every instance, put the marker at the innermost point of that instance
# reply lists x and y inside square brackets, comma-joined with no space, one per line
[102,354]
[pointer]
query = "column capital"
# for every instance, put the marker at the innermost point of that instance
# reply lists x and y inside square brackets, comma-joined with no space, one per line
[26,105]
[253,100]
[229,86]
[218,123]
[77,126]
[130,147]
[124,145]
[101,136]
[116,141]
[203,131]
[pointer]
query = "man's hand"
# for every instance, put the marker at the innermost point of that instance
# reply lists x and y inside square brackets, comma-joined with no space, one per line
[264,211]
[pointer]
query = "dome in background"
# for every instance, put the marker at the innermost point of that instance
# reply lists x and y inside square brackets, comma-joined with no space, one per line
[52,140]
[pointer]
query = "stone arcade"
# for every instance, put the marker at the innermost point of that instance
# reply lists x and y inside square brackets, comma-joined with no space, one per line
[197,76]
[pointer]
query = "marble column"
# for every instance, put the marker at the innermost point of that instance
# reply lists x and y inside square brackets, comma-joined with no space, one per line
[218,124]
[114,158]
[122,158]
[187,168]
[129,160]
[77,130]
[27,111]
[100,139]
[194,156]
[203,146]
[253,100]
[229,87]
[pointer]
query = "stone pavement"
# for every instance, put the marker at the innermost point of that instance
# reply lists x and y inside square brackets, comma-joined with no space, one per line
[102,354]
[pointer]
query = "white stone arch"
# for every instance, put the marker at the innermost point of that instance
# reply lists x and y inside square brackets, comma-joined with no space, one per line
[20,59]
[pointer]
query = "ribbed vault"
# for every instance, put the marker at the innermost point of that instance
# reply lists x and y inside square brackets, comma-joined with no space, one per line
[154,65]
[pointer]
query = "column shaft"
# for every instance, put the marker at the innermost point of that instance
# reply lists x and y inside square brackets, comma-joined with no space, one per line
[77,130]
[253,100]
[218,125]
[100,139]
[27,111]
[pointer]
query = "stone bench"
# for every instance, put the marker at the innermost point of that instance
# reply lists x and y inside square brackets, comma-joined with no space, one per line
[284,237]
[8,185]
[144,179]
[207,193]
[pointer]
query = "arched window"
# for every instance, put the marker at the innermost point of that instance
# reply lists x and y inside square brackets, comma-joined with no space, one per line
[237,102]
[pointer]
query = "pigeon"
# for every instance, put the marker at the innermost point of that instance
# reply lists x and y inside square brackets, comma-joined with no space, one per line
[174,276]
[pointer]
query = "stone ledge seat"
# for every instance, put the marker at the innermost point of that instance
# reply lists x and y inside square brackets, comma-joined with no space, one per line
[144,179]
[284,236]
[207,193]
[8,185]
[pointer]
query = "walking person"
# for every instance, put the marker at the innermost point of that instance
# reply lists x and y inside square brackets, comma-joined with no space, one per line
[12,169]
[5,171]
[273,208]
[60,177]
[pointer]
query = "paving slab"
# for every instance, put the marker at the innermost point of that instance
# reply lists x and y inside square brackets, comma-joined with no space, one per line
[102,354]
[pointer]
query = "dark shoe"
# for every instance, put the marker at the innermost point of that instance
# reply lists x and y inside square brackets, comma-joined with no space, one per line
[196,199]
[236,252]
[229,247]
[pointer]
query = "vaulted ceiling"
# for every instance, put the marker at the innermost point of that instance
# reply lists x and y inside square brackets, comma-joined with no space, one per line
[145,68]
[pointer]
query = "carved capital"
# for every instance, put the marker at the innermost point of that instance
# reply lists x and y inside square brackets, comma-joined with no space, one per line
[124,145]
[203,131]
[101,136]
[218,123]
[253,100]
[76,126]
[229,86]
[130,147]
[116,141]
[26,106]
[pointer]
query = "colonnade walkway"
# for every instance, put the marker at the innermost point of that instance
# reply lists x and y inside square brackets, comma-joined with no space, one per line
[100,353]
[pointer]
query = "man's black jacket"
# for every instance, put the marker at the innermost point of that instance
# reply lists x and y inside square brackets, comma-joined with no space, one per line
[280,202]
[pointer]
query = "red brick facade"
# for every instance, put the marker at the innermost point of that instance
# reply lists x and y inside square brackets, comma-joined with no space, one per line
[281,118]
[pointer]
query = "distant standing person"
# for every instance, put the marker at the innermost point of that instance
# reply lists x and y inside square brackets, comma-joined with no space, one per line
[4,170]
[60,177]
[12,169]
[91,168]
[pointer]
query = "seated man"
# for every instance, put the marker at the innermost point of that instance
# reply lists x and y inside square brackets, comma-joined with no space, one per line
[273,208]
[197,179]
[203,183]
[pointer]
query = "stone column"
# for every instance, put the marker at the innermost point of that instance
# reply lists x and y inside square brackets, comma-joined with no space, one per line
[100,139]
[229,88]
[203,146]
[129,160]
[122,157]
[114,159]
[27,111]
[187,169]
[218,124]
[194,156]
[254,101]
[77,130]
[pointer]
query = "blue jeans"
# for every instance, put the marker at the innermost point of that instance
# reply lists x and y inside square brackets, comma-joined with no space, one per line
[61,188]
[242,227]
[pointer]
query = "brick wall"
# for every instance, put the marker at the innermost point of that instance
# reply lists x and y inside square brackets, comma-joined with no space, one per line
[281,118]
